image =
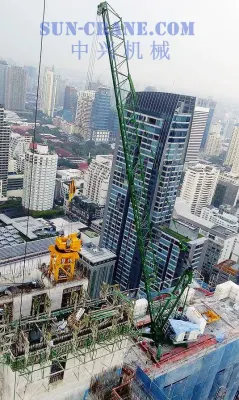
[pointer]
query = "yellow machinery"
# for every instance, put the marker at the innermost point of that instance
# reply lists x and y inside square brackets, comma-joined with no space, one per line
[63,257]
[72,190]
[211,316]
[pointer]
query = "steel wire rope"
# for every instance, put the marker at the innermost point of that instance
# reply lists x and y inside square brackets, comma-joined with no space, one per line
[33,152]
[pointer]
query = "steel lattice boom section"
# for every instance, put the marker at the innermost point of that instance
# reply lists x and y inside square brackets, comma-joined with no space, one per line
[130,126]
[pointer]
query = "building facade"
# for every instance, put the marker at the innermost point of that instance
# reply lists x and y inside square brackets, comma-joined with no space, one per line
[83,112]
[70,104]
[98,265]
[213,146]
[200,118]
[97,179]
[4,154]
[198,186]
[16,84]
[167,122]
[227,190]
[233,150]
[3,79]
[39,179]
[219,217]
[48,95]
[211,104]
[101,110]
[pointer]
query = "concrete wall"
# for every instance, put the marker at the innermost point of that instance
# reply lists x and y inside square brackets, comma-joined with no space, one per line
[75,384]
[55,295]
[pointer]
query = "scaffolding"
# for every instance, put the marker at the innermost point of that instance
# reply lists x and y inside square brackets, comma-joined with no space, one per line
[79,331]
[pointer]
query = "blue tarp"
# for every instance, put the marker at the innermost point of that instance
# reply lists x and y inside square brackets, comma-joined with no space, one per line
[180,326]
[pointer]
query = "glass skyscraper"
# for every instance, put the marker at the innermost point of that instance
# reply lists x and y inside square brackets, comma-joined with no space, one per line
[101,109]
[164,137]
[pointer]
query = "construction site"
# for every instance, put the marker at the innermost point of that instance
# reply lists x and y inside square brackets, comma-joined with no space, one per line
[170,340]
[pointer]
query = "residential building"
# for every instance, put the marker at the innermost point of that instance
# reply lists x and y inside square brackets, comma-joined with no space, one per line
[16,84]
[39,179]
[3,80]
[70,104]
[48,95]
[98,265]
[60,92]
[221,241]
[19,144]
[85,210]
[211,104]
[114,124]
[200,118]
[97,179]
[15,185]
[219,217]
[220,248]
[64,177]
[164,137]
[225,271]
[233,150]
[4,154]
[180,246]
[83,112]
[101,109]
[213,146]
[199,185]
[102,137]
[227,190]
[31,77]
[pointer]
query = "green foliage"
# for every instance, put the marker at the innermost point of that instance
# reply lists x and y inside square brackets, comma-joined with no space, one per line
[48,213]
[11,203]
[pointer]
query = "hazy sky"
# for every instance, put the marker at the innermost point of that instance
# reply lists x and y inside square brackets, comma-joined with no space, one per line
[205,64]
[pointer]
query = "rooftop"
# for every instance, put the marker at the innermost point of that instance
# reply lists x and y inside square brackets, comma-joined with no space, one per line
[175,235]
[36,248]
[96,254]
[223,304]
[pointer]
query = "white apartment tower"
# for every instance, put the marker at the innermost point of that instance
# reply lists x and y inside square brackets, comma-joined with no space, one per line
[4,155]
[48,96]
[233,150]
[39,179]
[83,112]
[198,186]
[97,179]
[200,117]
[213,146]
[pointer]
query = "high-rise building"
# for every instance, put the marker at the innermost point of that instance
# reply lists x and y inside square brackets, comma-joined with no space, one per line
[211,104]
[16,84]
[31,77]
[167,122]
[232,158]
[4,154]
[39,179]
[227,190]
[97,179]
[200,118]
[101,109]
[48,95]
[199,186]
[213,146]
[83,112]
[3,79]
[60,92]
[70,104]
[114,124]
